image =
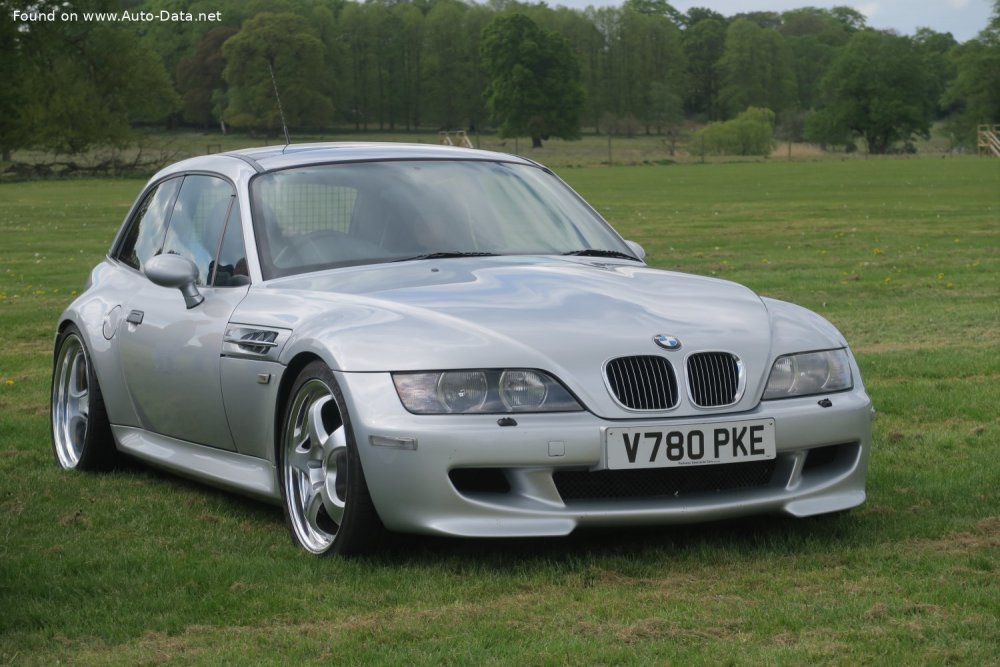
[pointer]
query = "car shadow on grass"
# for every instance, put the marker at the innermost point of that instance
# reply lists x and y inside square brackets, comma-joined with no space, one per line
[764,534]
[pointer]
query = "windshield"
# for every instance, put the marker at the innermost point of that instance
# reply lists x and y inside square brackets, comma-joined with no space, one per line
[326,216]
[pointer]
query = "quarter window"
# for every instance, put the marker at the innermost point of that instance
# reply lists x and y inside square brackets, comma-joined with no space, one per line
[231,269]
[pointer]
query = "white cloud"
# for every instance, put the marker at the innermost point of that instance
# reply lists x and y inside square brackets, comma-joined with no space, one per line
[869,9]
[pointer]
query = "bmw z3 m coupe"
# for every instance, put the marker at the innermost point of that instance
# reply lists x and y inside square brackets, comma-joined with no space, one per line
[426,339]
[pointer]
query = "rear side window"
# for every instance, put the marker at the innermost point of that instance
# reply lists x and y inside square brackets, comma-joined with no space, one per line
[145,233]
[198,220]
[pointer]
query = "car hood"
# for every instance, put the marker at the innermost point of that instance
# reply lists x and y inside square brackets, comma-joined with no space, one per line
[567,316]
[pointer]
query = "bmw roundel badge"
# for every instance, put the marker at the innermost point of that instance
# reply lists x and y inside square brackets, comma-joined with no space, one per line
[667,342]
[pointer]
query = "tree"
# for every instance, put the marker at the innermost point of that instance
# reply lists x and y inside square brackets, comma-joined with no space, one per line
[704,43]
[667,112]
[199,77]
[934,48]
[974,93]
[642,51]
[11,88]
[448,68]
[285,44]
[813,37]
[756,69]
[76,85]
[534,88]
[877,88]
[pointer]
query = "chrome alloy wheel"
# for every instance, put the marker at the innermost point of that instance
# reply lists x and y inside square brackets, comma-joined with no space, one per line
[71,402]
[314,466]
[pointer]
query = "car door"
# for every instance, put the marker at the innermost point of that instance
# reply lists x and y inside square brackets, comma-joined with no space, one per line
[170,354]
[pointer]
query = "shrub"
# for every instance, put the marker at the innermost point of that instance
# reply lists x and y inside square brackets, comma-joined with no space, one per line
[750,133]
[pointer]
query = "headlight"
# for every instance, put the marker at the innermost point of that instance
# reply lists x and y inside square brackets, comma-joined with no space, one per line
[809,373]
[487,391]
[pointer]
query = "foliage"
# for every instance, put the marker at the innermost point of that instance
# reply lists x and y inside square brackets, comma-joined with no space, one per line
[879,89]
[750,133]
[286,44]
[77,85]
[200,75]
[756,69]
[534,88]
[975,90]
[390,65]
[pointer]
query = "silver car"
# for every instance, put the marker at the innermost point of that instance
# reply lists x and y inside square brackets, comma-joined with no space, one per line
[435,340]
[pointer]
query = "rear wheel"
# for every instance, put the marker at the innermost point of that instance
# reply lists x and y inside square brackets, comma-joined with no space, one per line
[81,433]
[325,496]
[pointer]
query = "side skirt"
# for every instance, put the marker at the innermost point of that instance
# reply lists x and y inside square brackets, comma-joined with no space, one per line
[215,467]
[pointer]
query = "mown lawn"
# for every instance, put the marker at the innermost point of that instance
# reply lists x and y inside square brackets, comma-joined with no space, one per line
[136,567]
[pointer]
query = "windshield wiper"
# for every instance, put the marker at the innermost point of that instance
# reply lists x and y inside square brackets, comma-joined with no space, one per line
[445,255]
[597,252]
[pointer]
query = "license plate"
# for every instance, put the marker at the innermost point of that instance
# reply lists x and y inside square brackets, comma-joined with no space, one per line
[690,445]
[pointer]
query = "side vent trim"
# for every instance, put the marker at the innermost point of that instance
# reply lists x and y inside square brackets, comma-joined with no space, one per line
[253,342]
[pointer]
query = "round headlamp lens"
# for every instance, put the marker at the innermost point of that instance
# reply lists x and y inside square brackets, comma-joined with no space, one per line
[782,377]
[462,391]
[522,389]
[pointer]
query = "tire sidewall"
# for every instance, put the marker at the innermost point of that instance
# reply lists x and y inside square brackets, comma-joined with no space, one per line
[98,449]
[356,494]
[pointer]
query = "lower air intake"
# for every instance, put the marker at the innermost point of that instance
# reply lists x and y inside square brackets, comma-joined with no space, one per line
[579,485]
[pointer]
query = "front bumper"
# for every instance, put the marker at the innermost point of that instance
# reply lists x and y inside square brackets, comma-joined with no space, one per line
[468,476]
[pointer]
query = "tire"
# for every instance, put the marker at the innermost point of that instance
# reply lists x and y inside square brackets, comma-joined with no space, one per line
[324,494]
[81,432]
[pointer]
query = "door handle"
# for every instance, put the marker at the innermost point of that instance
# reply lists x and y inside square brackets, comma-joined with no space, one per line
[135,317]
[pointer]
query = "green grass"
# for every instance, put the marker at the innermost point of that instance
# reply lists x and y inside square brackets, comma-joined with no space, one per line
[137,567]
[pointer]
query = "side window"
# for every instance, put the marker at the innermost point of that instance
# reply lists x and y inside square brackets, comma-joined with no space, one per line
[231,269]
[198,220]
[145,233]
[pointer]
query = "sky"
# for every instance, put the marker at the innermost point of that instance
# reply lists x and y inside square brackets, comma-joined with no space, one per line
[962,18]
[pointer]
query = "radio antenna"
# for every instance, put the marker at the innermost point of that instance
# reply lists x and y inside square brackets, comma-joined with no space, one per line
[281,112]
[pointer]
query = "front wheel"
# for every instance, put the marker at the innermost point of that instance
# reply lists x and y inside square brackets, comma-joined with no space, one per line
[81,433]
[324,493]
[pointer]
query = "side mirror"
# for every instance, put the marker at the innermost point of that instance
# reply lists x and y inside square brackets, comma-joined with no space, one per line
[639,251]
[175,271]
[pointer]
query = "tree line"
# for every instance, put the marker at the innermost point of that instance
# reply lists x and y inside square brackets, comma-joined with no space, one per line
[522,69]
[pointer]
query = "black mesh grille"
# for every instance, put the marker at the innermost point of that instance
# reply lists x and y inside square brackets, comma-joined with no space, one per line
[643,383]
[661,482]
[714,378]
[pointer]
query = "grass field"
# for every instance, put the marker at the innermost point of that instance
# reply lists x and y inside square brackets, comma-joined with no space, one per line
[136,567]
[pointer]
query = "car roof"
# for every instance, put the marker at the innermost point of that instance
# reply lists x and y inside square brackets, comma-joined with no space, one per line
[272,158]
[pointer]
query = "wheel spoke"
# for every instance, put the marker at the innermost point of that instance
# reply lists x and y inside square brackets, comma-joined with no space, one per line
[336,475]
[311,506]
[298,459]
[77,404]
[77,428]
[314,427]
